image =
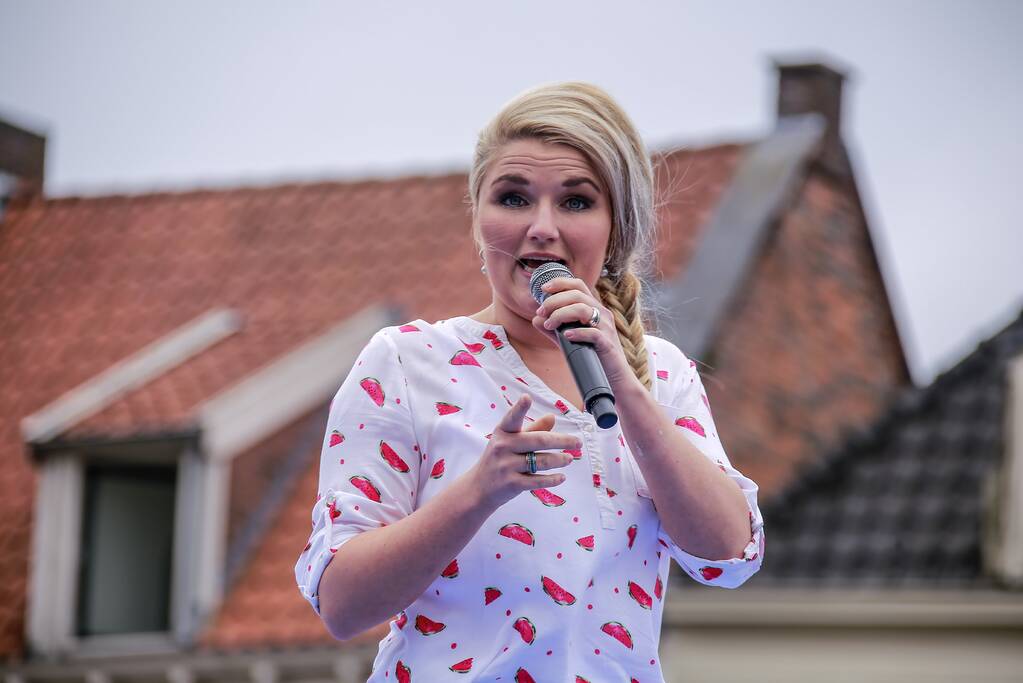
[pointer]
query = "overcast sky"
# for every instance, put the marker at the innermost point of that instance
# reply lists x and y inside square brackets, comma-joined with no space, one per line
[135,96]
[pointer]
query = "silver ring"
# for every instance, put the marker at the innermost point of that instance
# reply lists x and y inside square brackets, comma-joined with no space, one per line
[595,318]
[531,461]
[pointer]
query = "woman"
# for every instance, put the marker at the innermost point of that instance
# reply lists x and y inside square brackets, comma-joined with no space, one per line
[429,506]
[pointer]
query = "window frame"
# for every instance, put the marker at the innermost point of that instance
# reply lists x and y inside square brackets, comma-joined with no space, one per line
[200,506]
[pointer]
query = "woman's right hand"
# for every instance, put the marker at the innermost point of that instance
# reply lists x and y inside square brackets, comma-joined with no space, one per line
[502,471]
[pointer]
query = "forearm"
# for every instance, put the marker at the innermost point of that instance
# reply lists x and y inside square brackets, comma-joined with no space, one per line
[700,507]
[381,572]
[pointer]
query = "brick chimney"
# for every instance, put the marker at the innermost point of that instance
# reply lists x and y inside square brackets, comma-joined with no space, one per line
[22,156]
[815,87]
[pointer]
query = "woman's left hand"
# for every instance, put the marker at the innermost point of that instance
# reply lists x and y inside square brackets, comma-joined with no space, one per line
[570,300]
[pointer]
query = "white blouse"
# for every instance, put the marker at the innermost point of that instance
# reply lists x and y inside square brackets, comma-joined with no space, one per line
[559,584]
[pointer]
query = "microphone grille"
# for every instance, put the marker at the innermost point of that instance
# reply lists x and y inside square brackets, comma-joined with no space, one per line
[544,274]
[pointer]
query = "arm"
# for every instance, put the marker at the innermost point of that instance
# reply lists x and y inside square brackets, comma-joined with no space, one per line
[380,572]
[700,507]
[386,569]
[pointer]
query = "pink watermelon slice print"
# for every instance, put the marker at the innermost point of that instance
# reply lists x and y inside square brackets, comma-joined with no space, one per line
[428,627]
[631,533]
[576,453]
[401,620]
[336,438]
[548,498]
[517,532]
[692,424]
[366,486]
[463,358]
[662,374]
[490,594]
[474,349]
[586,542]
[616,630]
[580,679]
[446,408]
[560,405]
[334,512]
[658,587]
[371,386]
[438,469]
[522,676]
[402,673]
[526,629]
[637,593]
[451,571]
[493,339]
[463,667]
[556,592]
[408,328]
[710,573]
[392,458]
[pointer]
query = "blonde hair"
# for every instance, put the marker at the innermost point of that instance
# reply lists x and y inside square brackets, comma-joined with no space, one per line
[586,118]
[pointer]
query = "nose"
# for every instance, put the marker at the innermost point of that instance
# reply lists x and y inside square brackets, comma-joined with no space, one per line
[544,226]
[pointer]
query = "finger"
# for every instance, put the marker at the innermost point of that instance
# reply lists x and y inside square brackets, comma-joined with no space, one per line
[512,420]
[523,442]
[588,335]
[552,461]
[541,481]
[561,284]
[543,424]
[573,313]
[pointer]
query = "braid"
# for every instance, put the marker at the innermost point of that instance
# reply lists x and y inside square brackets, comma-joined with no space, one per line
[622,299]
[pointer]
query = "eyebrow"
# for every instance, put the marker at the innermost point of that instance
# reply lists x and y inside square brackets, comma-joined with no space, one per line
[571,182]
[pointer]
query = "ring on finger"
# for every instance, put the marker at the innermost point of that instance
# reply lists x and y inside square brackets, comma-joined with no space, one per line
[595,318]
[531,461]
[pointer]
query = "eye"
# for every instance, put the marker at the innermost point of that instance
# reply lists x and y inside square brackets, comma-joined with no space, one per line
[581,203]
[510,195]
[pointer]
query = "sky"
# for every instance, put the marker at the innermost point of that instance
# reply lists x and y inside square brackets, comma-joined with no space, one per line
[136,96]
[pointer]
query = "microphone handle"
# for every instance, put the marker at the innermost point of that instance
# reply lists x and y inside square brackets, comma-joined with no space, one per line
[589,376]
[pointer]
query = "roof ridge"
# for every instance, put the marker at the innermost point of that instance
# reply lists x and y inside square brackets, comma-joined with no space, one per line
[197,188]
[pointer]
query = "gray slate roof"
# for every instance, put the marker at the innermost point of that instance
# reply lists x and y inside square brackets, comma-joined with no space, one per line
[902,504]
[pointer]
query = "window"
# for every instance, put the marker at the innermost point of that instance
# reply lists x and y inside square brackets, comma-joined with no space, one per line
[127,539]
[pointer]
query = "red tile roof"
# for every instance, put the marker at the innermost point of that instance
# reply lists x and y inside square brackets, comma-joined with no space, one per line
[86,282]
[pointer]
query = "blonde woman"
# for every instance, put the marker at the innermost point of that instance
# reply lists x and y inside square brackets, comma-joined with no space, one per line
[464,488]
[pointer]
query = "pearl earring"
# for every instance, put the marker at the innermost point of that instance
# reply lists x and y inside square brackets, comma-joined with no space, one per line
[603,271]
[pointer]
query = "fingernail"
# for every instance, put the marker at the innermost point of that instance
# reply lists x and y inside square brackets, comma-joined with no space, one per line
[539,311]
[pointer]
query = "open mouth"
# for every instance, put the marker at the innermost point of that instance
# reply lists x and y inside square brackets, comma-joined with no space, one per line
[531,264]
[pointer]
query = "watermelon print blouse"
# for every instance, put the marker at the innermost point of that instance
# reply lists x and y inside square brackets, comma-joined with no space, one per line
[560,584]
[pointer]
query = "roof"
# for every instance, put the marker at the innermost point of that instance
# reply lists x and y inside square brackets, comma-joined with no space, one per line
[88,282]
[902,505]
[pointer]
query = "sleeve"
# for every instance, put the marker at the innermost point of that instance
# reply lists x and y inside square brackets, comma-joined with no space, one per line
[689,410]
[369,461]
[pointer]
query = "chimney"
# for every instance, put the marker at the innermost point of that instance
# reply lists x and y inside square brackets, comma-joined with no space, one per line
[22,155]
[815,87]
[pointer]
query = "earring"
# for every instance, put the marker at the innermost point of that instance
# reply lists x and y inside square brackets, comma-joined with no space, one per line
[603,271]
[483,268]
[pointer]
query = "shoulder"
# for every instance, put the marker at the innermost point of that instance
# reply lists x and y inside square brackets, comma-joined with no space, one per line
[670,368]
[664,355]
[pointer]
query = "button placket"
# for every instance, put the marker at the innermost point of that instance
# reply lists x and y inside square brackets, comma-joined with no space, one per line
[593,452]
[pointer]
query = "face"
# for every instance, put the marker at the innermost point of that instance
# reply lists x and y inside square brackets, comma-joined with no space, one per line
[540,201]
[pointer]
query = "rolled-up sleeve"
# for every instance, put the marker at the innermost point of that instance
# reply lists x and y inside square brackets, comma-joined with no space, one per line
[369,461]
[689,410]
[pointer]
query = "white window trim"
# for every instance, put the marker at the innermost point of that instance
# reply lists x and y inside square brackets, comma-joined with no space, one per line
[199,512]
[1003,538]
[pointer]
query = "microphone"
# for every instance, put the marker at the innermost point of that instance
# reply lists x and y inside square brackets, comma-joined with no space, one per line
[582,357]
